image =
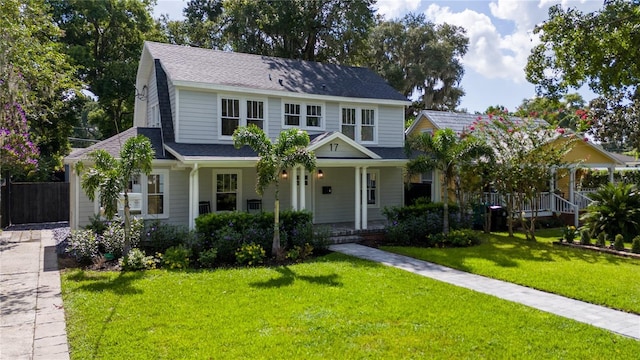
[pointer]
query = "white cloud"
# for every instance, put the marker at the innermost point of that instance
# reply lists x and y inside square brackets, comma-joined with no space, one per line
[502,55]
[392,9]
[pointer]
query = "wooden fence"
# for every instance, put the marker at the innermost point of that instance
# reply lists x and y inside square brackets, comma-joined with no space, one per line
[27,203]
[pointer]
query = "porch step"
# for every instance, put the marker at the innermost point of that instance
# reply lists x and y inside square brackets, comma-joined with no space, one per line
[344,239]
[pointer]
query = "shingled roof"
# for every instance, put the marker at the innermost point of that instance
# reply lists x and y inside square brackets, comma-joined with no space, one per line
[224,68]
[458,122]
[113,144]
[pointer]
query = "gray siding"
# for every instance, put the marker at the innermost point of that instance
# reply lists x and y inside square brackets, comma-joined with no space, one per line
[339,206]
[86,209]
[152,96]
[391,185]
[178,197]
[390,126]
[172,100]
[274,117]
[332,116]
[198,117]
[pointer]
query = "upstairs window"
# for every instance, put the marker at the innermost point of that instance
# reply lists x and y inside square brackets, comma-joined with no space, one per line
[314,115]
[359,124]
[349,123]
[255,113]
[292,114]
[230,116]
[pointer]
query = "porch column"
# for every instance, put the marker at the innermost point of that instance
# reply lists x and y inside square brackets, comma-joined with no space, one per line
[611,171]
[364,198]
[572,184]
[194,196]
[303,188]
[552,189]
[358,208]
[294,188]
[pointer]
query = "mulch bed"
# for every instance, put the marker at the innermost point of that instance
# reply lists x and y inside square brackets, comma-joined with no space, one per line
[608,250]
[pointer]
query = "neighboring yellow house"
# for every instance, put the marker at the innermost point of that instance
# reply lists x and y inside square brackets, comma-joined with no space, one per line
[564,196]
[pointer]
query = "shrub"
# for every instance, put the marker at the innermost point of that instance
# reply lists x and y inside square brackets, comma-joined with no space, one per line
[137,260]
[618,243]
[585,237]
[112,239]
[83,245]
[176,257]
[321,235]
[615,210]
[158,236]
[250,254]
[602,239]
[410,225]
[569,233]
[96,224]
[635,245]
[207,258]
[455,238]
[300,253]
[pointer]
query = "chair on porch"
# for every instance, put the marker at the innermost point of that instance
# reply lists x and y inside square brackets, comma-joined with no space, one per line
[254,205]
[204,207]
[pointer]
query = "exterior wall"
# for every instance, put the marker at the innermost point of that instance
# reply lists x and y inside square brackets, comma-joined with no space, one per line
[173,96]
[391,191]
[390,126]
[332,114]
[198,117]
[152,96]
[275,117]
[86,207]
[423,125]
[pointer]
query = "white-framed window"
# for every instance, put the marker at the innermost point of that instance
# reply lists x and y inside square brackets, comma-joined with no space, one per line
[226,190]
[255,113]
[230,116]
[240,111]
[150,200]
[426,177]
[359,123]
[304,116]
[153,119]
[373,188]
[349,122]
[314,115]
[291,114]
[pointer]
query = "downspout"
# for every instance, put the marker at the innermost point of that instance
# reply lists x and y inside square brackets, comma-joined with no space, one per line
[192,200]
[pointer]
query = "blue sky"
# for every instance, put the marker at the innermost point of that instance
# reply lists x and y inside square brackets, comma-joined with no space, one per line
[500,38]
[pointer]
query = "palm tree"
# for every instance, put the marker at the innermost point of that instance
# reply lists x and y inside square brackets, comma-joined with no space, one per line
[444,151]
[615,210]
[110,176]
[289,150]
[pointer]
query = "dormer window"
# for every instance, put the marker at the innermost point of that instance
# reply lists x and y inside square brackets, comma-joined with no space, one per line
[359,124]
[304,116]
[230,116]
[235,112]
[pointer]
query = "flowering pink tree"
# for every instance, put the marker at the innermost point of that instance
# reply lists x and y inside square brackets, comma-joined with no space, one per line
[525,152]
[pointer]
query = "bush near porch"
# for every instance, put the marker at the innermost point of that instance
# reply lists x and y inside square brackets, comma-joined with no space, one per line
[227,232]
[421,225]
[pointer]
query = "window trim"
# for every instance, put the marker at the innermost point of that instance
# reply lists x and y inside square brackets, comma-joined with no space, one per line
[214,202]
[358,121]
[377,188]
[242,112]
[303,114]
[144,213]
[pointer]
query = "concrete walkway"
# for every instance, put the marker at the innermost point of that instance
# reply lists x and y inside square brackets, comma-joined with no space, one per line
[613,320]
[32,324]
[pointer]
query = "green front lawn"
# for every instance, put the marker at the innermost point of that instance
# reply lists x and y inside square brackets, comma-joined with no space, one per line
[586,275]
[334,307]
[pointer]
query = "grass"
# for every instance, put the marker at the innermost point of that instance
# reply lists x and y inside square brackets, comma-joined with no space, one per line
[586,275]
[334,307]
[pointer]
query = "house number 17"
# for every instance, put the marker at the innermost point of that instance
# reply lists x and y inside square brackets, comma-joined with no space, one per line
[333,147]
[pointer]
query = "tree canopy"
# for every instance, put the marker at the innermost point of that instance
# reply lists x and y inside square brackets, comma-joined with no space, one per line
[601,50]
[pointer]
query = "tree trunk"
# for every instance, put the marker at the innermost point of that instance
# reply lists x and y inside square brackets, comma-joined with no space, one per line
[127,225]
[276,250]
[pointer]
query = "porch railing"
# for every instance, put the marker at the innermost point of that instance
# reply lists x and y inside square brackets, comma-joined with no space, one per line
[582,200]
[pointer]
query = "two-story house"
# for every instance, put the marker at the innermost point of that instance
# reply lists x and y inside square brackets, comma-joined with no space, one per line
[189,101]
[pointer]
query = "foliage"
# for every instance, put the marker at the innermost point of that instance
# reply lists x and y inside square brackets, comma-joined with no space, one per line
[250,254]
[207,258]
[599,49]
[615,210]
[569,233]
[568,112]
[593,179]
[113,238]
[38,91]
[618,242]
[415,54]
[136,260]
[444,151]
[83,245]
[109,177]
[158,236]
[96,224]
[411,225]
[601,240]
[176,258]
[635,245]
[289,150]
[455,238]
[585,237]
[524,151]
[300,253]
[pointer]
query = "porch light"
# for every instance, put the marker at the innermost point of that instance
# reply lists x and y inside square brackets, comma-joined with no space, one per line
[284,174]
[320,174]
